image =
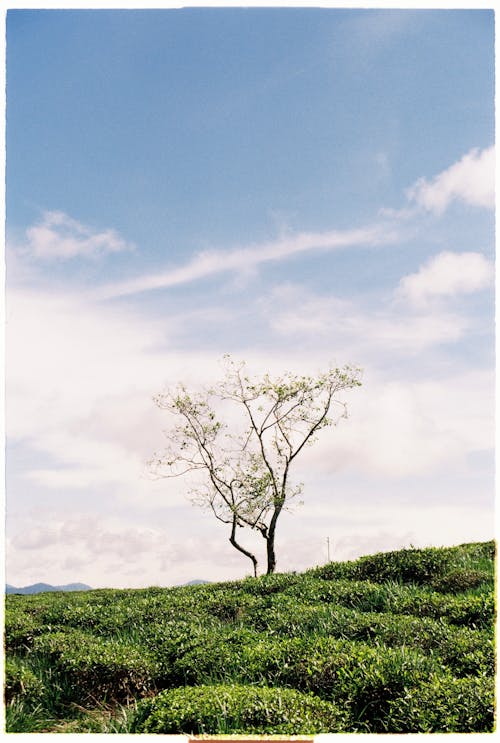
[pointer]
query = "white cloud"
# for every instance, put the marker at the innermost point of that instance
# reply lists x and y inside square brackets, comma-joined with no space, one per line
[394,523]
[111,552]
[400,428]
[446,275]
[80,380]
[80,376]
[108,551]
[58,236]
[471,180]
[246,259]
[362,332]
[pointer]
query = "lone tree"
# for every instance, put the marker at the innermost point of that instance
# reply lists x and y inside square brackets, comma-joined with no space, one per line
[246,467]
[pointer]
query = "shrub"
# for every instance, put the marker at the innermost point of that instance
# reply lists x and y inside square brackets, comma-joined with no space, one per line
[21,681]
[332,571]
[20,629]
[463,650]
[280,614]
[269,584]
[236,709]
[476,552]
[458,581]
[419,566]
[445,705]
[230,607]
[98,668]
[410,565]
[361,677]
[353,594]
[213,655]
[466,610]
[363,635]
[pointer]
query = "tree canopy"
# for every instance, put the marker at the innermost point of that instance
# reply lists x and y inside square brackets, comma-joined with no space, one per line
[245,459]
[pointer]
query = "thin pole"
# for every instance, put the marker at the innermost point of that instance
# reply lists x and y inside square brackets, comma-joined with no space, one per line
[328,547]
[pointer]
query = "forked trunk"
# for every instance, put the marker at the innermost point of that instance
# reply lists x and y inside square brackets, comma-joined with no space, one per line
[241,549]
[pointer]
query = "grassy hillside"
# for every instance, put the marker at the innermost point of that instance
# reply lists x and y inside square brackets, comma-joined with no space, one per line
[395,642]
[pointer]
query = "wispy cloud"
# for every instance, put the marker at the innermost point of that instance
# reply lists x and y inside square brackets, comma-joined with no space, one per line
[247,258]
[362,331]
[399,428]
[58,236]
[471,180]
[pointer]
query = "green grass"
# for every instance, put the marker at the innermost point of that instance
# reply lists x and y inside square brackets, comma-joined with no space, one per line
[393,643]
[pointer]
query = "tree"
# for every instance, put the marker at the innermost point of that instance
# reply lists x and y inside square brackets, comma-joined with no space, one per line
[246,466]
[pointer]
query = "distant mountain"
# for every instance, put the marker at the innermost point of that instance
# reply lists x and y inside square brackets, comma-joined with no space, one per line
[196,582]
[44,587]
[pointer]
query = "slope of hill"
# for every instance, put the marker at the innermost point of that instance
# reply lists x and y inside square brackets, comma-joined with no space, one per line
[397,642]
[46,587]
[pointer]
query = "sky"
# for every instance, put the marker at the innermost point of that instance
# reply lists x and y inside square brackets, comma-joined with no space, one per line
[295,187]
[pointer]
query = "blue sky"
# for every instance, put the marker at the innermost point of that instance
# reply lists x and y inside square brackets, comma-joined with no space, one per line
[293,186]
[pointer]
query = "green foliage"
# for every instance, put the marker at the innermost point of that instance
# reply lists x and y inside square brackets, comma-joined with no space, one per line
[469,565]
[21,681]
[445,705]
[359,677]
[98,668]
[419,566]
[457,581]
[21,716]
[462,649]
[268,584]
[470,610]
[236,709]
[394,655]
[21,627]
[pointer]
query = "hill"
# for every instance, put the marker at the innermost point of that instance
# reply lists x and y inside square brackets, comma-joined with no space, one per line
[396,642]
[46,587]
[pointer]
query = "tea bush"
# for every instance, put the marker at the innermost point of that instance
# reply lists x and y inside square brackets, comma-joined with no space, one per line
[379,641]
[269,584]
[462,649]
[420,566]
[236,709]
[20,629]
[214,655]
[97,668]
[361,677]
[470,610]
[230,607]
[21,681]
[445,705]
[458,581]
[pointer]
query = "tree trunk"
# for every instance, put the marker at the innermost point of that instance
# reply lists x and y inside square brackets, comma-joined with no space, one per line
[241,549]
[271,554]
